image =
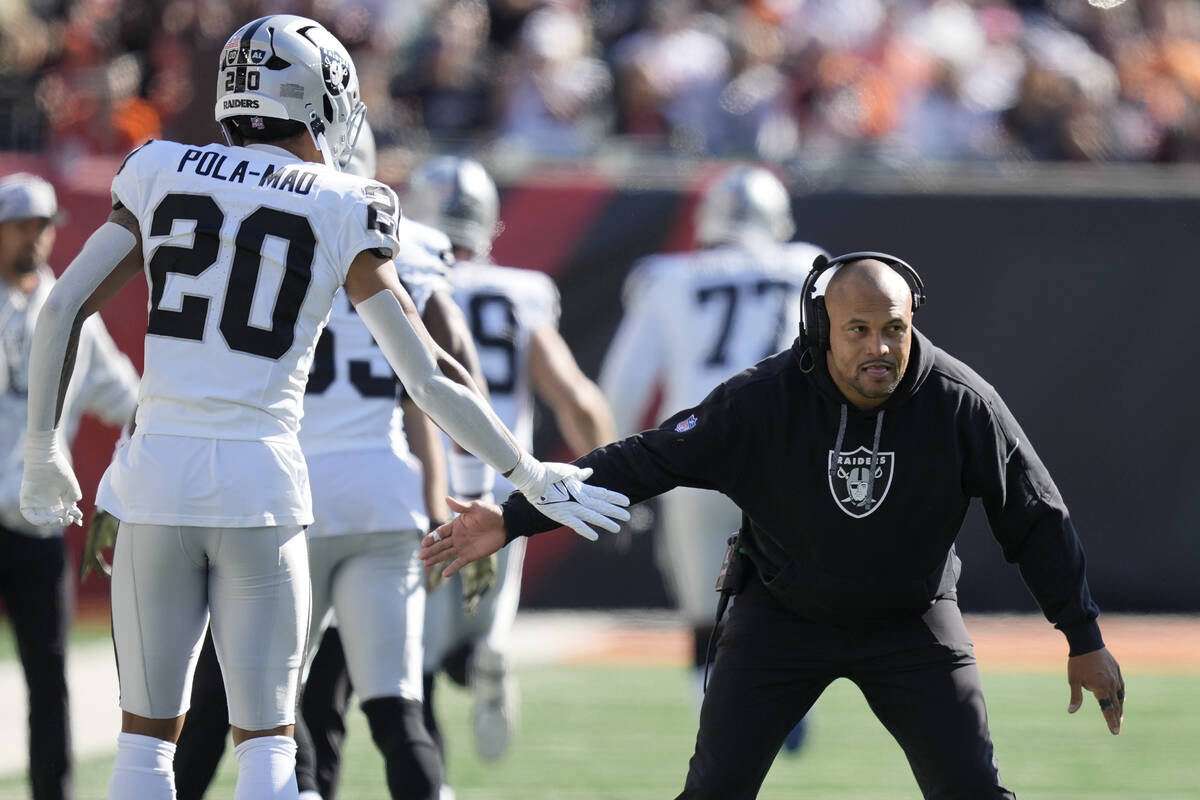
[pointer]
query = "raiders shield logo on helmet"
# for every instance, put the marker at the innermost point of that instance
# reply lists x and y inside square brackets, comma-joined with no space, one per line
[850,480]
[335,71]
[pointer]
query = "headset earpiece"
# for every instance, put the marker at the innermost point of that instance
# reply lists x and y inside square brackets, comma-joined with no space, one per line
[821,317]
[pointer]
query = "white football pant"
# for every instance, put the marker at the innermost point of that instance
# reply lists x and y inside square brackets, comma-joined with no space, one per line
[373,583]
[165,582]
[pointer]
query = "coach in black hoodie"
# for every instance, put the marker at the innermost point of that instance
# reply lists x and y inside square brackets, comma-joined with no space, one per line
[854,463]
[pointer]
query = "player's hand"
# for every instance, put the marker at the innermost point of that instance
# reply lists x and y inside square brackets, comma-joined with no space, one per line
[477,532]
[101,535]
[558,491]
[1099,673]
[477,578]
[49,491]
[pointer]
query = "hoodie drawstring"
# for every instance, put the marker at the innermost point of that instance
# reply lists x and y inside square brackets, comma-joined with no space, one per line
[874,459]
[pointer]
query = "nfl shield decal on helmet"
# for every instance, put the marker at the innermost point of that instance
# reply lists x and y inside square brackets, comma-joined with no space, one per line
[686,425]
[850,480]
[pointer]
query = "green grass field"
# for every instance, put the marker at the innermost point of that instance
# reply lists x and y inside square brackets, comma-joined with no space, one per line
[601,733]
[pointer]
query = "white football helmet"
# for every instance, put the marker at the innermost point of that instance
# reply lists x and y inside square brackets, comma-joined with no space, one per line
[744,202]
[456,196]
[286,67]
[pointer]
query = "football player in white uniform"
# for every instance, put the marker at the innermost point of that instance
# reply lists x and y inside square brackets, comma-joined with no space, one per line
[369,511]
[513,314]
[691,321]
[244,247]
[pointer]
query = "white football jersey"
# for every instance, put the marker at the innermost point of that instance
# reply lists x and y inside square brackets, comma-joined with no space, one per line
[503,307]
[245,248]
[695,319]
[351,407]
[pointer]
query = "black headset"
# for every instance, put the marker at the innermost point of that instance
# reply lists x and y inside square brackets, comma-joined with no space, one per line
[814,319]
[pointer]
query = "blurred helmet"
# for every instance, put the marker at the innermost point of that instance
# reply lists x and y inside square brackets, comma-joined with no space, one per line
[285,67]
[362,158]
[456,196]
[744,202]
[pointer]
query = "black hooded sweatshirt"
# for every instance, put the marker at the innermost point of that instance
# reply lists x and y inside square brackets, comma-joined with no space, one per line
[865,538]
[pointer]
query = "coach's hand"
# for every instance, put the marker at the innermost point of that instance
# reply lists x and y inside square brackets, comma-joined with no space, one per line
[477,532]
[1099,673]
[49,491]
[558,491]
[101,535]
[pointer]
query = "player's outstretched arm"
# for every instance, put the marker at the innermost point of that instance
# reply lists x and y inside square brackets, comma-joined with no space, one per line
[108,259]
[425,369]
[477,532]
[1099,673]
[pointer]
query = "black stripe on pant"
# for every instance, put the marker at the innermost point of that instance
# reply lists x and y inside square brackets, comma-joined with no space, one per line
[919,677]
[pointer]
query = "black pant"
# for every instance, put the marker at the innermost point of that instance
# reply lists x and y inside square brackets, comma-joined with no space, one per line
[37,593]
[918,676]
[324,704]
[205,728]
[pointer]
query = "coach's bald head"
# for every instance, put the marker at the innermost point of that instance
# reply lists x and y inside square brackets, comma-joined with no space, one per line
[870,308]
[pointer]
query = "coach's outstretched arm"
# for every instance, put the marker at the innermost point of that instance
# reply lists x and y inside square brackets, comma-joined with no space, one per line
[444,391]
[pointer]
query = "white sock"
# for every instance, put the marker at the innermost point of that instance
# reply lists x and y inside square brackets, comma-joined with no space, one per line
[266,769]
[310,794]
[143,770]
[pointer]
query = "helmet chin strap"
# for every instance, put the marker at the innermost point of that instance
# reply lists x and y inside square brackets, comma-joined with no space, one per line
[326,151]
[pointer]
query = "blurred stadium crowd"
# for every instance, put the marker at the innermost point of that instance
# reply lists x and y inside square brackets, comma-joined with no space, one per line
[881,80]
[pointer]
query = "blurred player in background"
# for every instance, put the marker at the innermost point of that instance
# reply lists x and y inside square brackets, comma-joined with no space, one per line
[33,560]
[691,321]
[212,488]
[513,314]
